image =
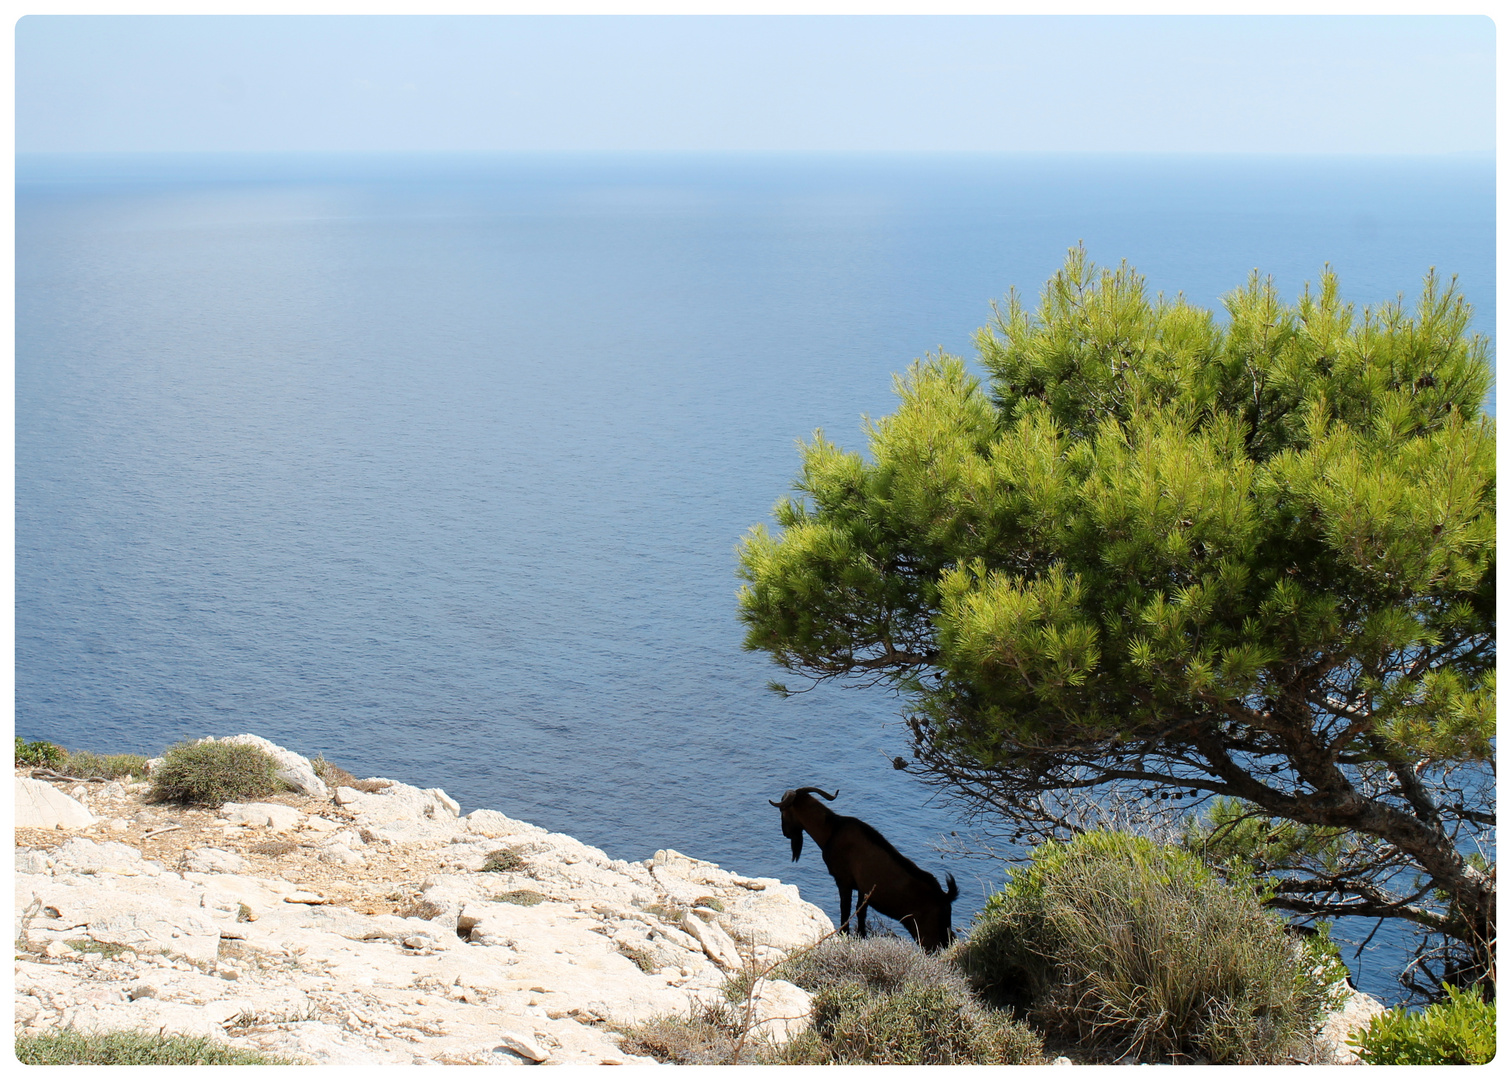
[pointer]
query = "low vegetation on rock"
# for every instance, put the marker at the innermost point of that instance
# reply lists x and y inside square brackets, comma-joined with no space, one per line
[884,1001]
[709,1035]
[78,764]
[133,1048]
[335,776]
[211,773]
[504,860]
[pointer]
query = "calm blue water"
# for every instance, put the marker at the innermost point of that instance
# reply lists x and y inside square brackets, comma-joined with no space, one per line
[436,465]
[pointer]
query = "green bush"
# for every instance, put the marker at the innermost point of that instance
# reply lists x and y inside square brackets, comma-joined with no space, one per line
[884,1001]
[1114,940]
[709,1035]
[111,766]
[920,1024]
[213,773]
[133,1048]
[38,753]
[878,964]
[1459,1031]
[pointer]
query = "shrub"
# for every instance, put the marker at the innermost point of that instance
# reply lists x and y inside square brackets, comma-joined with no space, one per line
[884,1001]
[133,1048]
[1458,1031]
[1112,939]
[334,776]
[641,958]
[111,766]
[522,897]
[920,1024]
[503,860]
[330,773]
[709,1035]
[213,773]
[878,964]
[38,753]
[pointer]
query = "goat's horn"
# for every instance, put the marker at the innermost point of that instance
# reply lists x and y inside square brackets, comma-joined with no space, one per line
[775,804]
[821,791]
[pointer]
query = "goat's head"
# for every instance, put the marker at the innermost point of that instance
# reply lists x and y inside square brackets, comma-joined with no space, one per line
[790,806]
[935,931]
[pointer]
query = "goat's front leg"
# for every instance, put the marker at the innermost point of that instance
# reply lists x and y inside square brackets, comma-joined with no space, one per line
[844,909]
[860,915]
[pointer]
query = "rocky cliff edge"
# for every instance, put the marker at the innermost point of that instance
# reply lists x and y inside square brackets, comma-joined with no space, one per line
[362,926]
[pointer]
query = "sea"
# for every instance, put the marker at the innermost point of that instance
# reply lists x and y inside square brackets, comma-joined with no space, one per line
[436,465]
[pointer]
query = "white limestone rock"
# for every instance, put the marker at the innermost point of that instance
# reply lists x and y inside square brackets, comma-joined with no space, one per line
[402,814]
[1356,1011]
[39,805]
[757,911]
[719,946]
[32,862]
[491,823]
[213,861]
[443,898]
[782,1009]
[340,855]
[272,815]
[523,1045]
[149,924]
[82,855]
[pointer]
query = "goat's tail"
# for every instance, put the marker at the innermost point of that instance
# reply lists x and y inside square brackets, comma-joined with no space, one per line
[954,890]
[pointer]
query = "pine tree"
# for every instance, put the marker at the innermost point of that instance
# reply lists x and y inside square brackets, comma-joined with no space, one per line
[1245,567]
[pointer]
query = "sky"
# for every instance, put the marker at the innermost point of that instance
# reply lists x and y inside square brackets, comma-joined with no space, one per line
[1182,84]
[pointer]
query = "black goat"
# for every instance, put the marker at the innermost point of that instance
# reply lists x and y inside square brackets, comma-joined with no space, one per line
[861,861]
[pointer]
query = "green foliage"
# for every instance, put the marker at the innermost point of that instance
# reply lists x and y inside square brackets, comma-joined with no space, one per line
[1458,1031]
[709,1035]
[110,766]
[916,1025]
[504,860]
[133,1048]
[878,964]
[1114,940]
[884,1001]
[213,773]
[1163,550]
[38,753]
[521,897]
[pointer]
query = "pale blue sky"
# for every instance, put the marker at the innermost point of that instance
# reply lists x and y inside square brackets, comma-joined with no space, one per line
[861,83]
